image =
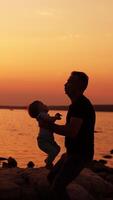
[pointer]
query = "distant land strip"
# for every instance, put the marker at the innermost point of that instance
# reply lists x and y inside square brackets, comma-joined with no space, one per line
[103,108]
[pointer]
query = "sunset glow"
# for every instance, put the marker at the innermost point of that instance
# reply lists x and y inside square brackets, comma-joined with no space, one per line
[42,41]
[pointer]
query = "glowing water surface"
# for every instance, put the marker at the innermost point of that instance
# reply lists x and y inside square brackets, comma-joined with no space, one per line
[18,134]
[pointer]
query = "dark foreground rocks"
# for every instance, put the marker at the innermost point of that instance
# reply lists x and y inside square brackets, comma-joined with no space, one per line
[94,183]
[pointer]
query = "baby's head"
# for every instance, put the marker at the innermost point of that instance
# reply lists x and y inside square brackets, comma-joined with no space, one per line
[36,107]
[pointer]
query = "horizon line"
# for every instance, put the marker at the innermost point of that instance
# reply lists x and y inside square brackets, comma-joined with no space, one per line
[98,107]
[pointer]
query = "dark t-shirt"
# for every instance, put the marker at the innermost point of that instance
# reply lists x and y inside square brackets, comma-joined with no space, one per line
[83,144]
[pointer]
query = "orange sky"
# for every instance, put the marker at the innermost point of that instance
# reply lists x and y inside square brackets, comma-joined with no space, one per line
[42,41]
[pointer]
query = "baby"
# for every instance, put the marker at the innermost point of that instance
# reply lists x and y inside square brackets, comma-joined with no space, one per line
[45,138]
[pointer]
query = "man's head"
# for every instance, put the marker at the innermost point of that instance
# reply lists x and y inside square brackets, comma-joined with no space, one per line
[76,84]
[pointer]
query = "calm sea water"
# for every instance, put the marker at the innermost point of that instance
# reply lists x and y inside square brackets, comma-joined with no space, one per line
[18,134]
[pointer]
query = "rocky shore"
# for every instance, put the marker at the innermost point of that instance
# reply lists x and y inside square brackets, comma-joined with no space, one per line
[94,183]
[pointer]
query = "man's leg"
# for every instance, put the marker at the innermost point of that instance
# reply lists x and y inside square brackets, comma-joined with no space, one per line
[68,171]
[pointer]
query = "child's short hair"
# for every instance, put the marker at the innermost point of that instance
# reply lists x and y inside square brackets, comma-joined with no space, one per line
[33,109]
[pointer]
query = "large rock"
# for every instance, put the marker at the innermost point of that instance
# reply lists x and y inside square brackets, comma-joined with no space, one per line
[94,184]
[32,184]
[78,192]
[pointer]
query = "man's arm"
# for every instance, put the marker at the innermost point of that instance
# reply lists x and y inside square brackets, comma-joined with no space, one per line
[70,130]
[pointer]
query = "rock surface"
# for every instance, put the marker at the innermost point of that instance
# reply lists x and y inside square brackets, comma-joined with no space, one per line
[93,183]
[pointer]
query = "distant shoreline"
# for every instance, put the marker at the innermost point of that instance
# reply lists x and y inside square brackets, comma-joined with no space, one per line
[98,108]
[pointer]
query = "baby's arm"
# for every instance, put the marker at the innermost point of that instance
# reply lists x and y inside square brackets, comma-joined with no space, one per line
[47,118]
[57,116]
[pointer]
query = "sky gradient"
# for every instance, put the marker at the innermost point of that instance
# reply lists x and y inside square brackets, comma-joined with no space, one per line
[42,41]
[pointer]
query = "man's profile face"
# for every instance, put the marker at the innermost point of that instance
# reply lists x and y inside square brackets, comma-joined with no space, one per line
[72,86]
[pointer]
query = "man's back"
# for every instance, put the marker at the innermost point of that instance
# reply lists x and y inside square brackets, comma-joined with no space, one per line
[83,144]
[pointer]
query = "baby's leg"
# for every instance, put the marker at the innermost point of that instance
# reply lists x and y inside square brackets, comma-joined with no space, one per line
[52,174]
[53,150]
[56,149]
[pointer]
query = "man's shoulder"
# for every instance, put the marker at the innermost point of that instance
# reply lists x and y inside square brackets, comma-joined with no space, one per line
[81,101]
[82,104]
[85,101]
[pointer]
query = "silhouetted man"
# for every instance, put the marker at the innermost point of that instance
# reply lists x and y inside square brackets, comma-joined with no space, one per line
[79,136]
